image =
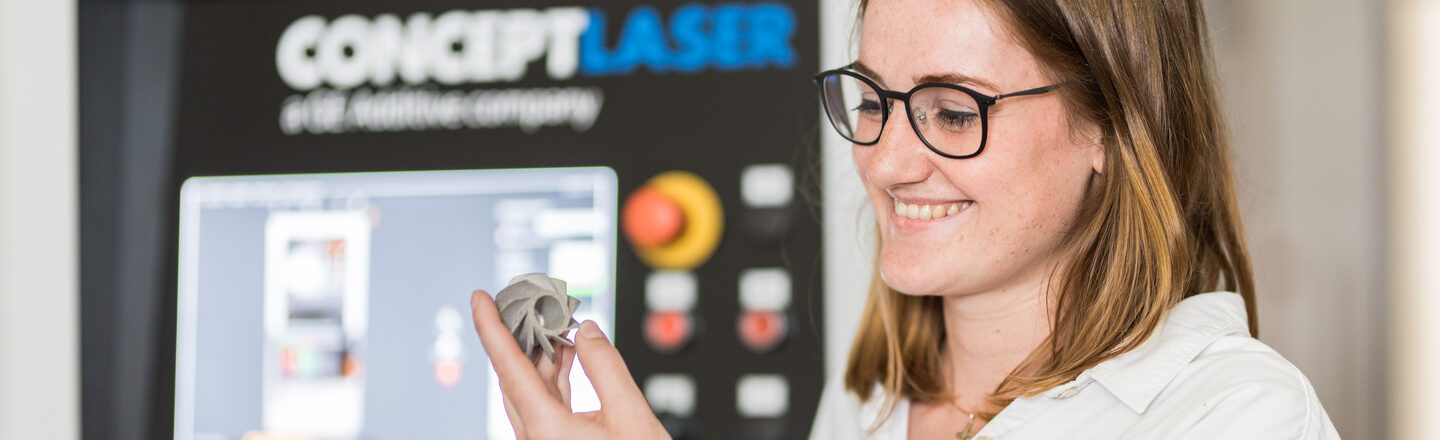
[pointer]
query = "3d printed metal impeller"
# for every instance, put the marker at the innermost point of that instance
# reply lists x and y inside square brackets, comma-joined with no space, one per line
[536,310]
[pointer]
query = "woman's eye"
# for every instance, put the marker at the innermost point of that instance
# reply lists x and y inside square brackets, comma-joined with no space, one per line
[868,107]
[956,120]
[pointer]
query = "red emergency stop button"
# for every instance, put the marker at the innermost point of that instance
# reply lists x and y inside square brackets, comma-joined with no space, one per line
[674,221]
[650,219]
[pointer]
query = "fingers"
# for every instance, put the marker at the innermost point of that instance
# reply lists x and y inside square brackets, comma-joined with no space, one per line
[519,381]
[514,417]
[550,373]
[557,374]
[617,390]
[567,360]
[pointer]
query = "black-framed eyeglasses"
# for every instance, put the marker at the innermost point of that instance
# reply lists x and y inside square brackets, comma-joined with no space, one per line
[951,120]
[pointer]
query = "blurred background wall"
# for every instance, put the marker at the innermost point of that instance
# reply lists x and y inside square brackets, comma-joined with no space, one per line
[39,329]
[1413,226]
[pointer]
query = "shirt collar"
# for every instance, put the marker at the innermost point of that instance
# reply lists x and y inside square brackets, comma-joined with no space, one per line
[1137,377]
[895,427]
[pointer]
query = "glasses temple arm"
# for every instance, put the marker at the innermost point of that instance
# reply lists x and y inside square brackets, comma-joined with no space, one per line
[1034,91]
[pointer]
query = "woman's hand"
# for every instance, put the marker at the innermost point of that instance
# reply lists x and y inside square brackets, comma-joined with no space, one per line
[537,395]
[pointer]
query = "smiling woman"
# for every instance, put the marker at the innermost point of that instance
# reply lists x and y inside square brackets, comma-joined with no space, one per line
[1051,241]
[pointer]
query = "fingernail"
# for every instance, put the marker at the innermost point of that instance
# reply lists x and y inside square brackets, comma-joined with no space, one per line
[591,330]
[474,299]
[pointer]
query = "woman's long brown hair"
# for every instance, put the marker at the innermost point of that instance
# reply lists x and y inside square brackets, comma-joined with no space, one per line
[1160,224]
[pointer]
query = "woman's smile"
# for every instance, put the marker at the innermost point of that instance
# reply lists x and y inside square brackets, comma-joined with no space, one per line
[915,215]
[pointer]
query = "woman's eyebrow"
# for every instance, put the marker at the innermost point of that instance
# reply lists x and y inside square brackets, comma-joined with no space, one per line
[948,78]
[956,78]
[867,71]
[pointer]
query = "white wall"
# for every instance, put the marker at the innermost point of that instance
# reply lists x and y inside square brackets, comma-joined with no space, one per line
[849,245]
[39,330]
[1414,39]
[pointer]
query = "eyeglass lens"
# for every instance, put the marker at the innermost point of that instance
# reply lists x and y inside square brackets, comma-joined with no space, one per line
[946,119]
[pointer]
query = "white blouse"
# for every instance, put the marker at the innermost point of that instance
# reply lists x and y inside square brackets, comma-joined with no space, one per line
[1200,376]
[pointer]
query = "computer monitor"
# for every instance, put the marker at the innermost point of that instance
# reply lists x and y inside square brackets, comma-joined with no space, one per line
[335,306]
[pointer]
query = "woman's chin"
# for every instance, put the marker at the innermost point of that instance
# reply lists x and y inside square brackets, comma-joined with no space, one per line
[916,269]
[913,282]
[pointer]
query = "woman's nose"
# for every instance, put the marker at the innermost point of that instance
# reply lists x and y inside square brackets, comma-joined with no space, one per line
[900,156]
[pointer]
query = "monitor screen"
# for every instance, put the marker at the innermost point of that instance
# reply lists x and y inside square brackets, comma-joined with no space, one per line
[335,306]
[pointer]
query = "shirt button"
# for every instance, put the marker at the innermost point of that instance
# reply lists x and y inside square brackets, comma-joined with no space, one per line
[1067,393]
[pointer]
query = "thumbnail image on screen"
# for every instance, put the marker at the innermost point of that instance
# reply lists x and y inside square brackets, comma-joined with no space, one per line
[333,306]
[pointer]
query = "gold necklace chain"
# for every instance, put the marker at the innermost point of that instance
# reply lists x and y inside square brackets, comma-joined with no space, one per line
[964,434]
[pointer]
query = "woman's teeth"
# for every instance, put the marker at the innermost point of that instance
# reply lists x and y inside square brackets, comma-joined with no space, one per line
[928,212]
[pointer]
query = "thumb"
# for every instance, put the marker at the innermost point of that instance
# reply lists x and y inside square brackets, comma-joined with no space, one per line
[606,370]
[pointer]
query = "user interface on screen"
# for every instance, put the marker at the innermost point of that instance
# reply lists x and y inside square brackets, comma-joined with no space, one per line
[336,306]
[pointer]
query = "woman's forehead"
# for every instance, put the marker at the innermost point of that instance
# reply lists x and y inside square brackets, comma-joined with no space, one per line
[903,41]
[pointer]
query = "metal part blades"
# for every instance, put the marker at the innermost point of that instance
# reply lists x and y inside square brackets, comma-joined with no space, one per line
[537,311]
